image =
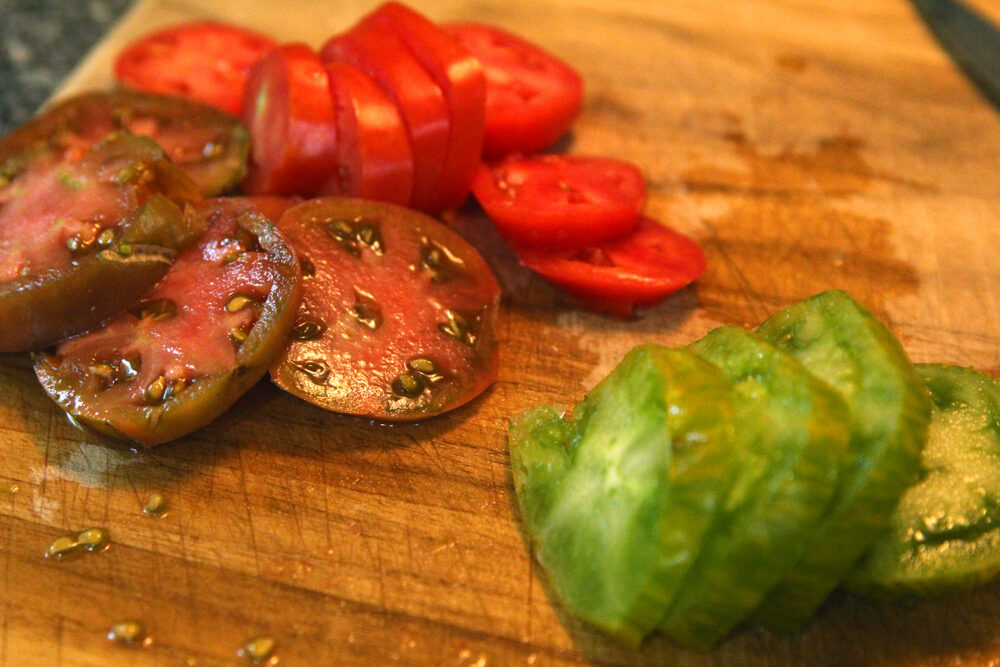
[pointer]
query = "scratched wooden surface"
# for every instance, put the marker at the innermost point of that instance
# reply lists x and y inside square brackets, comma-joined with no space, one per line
[808,144]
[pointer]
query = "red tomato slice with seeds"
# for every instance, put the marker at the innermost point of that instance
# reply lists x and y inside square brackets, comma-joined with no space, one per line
[383,56]
[460,76]
[398,314]
[532,97]
[202,60]
[561,200]
[638,269]
[291,118]
[374,157]
[204,335]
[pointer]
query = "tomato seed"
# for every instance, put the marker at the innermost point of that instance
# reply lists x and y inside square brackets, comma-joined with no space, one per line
[238,302]
[156,310]
[237,336]
[315,369]
[308,329]
[106,237]
[366,310]
[408,385]
[457,327]
[422,365]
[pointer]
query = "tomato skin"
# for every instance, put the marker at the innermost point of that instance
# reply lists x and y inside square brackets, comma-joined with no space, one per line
[532,97]
[383,56]
[461,78]
[414,290]
[201,60]
[208,145]
[561,200]
[193,344]
[638,269]
[375,160]
[291,118]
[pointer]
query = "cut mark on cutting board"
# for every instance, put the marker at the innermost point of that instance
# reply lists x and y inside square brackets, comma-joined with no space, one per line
[788,233]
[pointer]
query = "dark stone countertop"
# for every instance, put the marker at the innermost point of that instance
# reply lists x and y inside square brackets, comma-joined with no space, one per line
[41,41]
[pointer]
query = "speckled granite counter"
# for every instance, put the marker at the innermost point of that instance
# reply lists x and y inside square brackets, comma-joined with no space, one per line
[40,43]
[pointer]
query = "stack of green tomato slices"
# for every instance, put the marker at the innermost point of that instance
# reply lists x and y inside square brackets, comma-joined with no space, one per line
[741,479]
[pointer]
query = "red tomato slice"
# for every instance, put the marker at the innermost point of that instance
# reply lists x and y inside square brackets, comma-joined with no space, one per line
[638,269]
[460,77]
[532,97]
[292,123]
[384,57]
[203,60]
[375,160]
[561,200]
[398,317]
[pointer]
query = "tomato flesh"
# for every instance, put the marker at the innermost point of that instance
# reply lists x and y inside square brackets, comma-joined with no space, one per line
[292,123]
[561,200]
[201,60]
[208,145]
[193,345]
[398,313]
[384,57]
[83,235]
[638,269]
[460,76]
[532,97]
[375,160]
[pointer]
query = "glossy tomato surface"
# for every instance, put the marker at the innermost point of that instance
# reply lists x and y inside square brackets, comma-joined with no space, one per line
[561,200]
[384,57]
[192,346]
[398,314]
[202,60]
[208,145]
[374,156]
[291,118]
[83,235]
[532,97]
[638,269]
[461,78]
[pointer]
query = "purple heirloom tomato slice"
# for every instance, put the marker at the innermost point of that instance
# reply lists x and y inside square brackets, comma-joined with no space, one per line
[398,312]
[208,145]
[82,237]
[191,347]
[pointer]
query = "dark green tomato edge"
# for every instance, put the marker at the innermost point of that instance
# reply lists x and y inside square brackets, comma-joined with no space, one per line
[402,409]
[215,175]
[210,396]
[39,310]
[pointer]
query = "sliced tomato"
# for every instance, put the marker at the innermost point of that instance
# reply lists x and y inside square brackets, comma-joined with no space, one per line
[208,145]
[201,60]
[198,341]
[383,56]
[532,97]
[374,157]
[398,314]
[292,123]
[638,269]
[561,200]
[460,76]
[83,235]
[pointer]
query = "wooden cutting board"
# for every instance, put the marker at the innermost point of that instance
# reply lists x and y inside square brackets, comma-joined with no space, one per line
[808,144]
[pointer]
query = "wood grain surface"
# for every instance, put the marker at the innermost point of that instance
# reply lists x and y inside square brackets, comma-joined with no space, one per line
[808,144]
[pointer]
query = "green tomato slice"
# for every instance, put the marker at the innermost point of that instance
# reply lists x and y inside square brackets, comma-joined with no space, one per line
[945,533]
[793,430]
[618,498]
[844,345]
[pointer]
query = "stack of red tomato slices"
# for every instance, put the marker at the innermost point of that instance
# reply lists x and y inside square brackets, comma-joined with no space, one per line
[402,110]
